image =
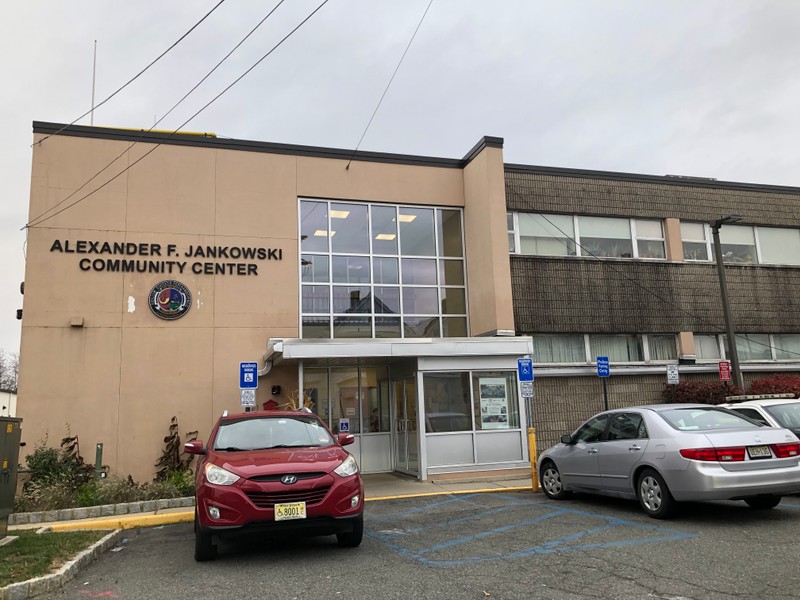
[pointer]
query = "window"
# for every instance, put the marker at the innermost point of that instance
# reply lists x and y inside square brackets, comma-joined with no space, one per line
[605,237]
[787,414]
[787,346]
[738,244]
[512,245]
[538,234]
[742,244]
[546,235]
[359,394]
[495,399]
[448,408]
[750,346]
[704,419]
[626,426]
[695,239]
[706,347]
[564,348]
[779,246]
[447,402]
[618,348]
[750,413]
[662,347]
[370,270]
[649,239]
[591,431]
[559,348]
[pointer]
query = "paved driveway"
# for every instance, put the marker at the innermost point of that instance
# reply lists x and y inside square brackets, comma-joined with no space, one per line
[498,545]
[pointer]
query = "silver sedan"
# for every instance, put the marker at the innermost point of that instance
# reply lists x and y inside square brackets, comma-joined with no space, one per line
[663,454]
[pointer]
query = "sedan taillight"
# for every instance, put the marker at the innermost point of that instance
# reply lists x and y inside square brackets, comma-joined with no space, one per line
[714,454]
[786,450]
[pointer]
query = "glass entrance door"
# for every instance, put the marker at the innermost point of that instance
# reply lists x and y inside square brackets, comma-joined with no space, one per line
[405,426]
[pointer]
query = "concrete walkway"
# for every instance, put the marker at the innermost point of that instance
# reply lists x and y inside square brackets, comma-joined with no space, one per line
[381,486]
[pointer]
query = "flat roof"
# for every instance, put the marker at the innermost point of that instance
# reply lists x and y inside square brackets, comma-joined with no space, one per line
[213,141]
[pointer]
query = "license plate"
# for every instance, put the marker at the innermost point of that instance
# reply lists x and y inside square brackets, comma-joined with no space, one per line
[759,452]
[294,510]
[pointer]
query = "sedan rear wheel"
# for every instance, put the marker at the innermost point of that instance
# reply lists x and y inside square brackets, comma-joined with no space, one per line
[654,495]
[552,486]
[763,502]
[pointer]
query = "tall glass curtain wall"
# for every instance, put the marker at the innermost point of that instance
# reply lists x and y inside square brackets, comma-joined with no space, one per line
[381,271]
[360,395]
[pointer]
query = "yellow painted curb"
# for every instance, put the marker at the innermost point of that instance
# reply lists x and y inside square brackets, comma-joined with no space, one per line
[126,521]
[452,493]
[147,520]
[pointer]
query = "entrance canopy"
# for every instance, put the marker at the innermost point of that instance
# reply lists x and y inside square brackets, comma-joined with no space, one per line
[295,349]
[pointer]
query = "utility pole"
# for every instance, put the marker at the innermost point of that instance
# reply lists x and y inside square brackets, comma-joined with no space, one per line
[736,372]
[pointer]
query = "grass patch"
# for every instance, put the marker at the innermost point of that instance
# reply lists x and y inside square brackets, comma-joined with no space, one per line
[33,555]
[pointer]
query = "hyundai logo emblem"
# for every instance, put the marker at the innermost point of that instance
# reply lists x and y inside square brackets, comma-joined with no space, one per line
[289,479]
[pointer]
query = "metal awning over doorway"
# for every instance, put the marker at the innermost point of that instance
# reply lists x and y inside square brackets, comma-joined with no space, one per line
[345,350]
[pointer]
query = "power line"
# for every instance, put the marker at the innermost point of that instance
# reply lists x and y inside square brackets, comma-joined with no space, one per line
[35,221]
[210,102]
[135,77]
[611,266]
[397,68]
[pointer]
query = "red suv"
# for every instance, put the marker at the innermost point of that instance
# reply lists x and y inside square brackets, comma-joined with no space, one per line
[275,472]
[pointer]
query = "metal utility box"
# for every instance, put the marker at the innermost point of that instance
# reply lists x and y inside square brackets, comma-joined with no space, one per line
[10,433]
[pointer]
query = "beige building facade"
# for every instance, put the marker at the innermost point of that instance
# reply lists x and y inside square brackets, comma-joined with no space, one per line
[114,213]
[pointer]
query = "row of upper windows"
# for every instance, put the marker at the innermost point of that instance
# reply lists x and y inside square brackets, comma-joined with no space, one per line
[537,234]
[576,348]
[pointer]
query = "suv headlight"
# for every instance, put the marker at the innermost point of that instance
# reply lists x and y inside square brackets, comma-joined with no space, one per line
[219,476]
[348,467]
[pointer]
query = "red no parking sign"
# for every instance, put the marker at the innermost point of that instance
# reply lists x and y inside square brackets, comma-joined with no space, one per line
[724,370]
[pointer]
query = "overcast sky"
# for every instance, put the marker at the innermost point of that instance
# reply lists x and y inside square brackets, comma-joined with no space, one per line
[707,88]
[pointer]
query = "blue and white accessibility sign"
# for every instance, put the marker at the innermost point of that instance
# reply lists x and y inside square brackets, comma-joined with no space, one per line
[603,369]
[525,369]
[248,375]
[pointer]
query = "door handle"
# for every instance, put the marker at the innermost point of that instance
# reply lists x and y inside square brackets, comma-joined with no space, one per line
[635,447]
[592,450]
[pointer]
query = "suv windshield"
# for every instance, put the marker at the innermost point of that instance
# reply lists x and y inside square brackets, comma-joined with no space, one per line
[703,419]
[271,432]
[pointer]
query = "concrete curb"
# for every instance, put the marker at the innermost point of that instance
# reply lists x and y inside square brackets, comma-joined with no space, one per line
[127,522]
[94,512]
[68,572]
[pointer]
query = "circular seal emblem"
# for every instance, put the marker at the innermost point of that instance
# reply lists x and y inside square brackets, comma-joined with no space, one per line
[170,300]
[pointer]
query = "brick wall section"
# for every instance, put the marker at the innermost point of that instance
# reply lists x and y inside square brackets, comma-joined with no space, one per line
[562,295]
[628,197]
[577,295]
[561,404]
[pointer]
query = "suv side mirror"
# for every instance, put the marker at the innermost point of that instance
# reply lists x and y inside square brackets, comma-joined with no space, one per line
[566,439]
[194,447]
[345,439]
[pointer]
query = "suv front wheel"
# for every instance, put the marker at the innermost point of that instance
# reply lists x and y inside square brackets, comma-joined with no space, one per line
[204,548]
[352,538]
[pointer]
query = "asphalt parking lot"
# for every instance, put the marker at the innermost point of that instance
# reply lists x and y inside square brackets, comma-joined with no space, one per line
[485,545]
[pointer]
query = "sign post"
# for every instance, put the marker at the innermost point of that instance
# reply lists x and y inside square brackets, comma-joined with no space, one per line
[604,372]
[672,379]
[525,375]
[248,382]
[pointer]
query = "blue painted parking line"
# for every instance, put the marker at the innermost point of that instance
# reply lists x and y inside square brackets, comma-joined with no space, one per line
[395,539]
[491,532]
[425,508]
